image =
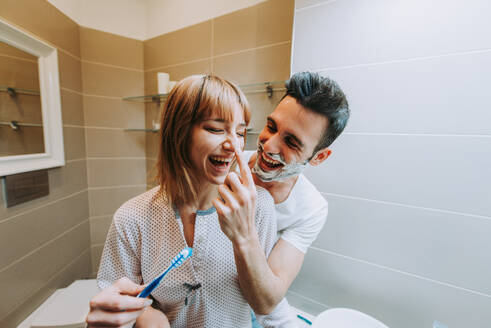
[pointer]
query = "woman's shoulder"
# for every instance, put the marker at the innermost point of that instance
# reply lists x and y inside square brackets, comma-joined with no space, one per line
[147,205]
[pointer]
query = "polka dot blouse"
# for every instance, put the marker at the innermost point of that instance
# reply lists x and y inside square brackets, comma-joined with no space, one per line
[146,233]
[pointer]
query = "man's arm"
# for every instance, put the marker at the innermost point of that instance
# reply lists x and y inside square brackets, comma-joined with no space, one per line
[265,282]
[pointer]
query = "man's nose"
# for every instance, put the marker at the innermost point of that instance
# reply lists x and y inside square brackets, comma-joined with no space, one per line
[271,144]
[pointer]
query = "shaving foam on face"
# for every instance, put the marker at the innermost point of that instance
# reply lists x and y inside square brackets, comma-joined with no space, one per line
[286,171]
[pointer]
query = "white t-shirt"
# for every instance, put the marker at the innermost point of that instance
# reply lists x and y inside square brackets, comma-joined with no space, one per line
[302,215]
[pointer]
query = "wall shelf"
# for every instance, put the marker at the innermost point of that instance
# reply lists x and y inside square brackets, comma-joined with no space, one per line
[251,132]
[265,87]
[15,91]
[142,130]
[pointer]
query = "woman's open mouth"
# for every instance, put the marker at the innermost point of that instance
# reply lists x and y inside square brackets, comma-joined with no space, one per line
[220,162]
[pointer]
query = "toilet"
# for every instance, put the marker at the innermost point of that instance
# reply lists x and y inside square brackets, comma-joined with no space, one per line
[65,308]
[345,318]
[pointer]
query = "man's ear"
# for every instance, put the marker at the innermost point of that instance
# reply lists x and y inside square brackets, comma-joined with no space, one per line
[320,156]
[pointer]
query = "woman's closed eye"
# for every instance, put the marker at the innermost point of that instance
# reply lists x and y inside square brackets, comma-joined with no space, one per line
[214,130]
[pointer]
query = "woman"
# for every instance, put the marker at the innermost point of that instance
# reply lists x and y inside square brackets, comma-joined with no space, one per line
[202,132]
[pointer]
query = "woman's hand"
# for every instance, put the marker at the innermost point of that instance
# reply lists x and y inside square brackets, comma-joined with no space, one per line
[152,318]
[236,209]
[117,306]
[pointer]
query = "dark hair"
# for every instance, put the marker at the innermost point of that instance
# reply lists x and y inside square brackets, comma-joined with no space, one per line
[324,96]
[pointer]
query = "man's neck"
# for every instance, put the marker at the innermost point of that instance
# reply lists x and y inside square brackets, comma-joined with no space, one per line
[280,190]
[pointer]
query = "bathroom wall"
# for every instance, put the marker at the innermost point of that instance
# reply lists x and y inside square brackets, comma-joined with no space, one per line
[112,68]
[407,237]
[127,17]
[49,242]
[251,45]
[19,70]
[45,243]
[164,16]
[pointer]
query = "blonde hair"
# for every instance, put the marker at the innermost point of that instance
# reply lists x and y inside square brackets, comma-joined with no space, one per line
[192,100]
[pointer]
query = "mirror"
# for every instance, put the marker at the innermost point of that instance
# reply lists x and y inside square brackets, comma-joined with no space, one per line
[21,123]
[31,135]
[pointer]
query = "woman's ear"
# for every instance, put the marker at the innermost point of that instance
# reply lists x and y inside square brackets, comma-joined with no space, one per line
[320,156]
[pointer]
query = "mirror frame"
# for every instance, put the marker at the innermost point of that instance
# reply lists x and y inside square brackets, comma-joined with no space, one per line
[49,85]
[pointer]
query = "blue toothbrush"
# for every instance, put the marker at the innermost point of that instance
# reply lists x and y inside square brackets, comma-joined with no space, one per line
[176,261]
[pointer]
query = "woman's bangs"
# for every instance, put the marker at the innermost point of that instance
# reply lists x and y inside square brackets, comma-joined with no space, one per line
[220,103]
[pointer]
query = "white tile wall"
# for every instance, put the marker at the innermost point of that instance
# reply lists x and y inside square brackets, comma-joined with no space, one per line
[443,95]
[407,237]
[438,245]
[446,172]
[354,32]
[397,299]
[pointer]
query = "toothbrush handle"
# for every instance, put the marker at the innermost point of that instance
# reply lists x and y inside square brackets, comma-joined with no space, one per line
[149,289]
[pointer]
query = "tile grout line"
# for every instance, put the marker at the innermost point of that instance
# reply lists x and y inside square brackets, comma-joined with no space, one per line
[418,134]
[43,245]
[115,158]
[219,56]
[315,5]
[212,43]
[409,206]
[75,160]
[116,187]
[307,298]
[112,66]
[90,95]
[401,272]
[71,90]
[49,280]
[19,58]
[97,217]
[44,205]
[404,60]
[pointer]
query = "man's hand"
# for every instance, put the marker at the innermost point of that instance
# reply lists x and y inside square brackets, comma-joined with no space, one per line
[236,209]
[152,318]
[117,306]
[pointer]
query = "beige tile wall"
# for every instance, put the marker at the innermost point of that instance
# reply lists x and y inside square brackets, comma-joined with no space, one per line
[46,242]
[112,68]
[251,45]
[107,165]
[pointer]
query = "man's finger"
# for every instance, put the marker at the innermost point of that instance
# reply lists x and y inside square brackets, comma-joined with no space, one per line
[245,171]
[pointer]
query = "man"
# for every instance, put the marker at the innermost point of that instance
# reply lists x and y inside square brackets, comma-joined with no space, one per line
[311,115]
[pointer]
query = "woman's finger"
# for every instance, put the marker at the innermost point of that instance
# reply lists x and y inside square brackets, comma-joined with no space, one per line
[245,171]
[227,196]
[126,286]
[100,318]
[233,182]
[116,302]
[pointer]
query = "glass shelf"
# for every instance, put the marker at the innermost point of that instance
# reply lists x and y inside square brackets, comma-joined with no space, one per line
[15,124]
[143,130]
[264,87]
[252,132]
[14,91]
